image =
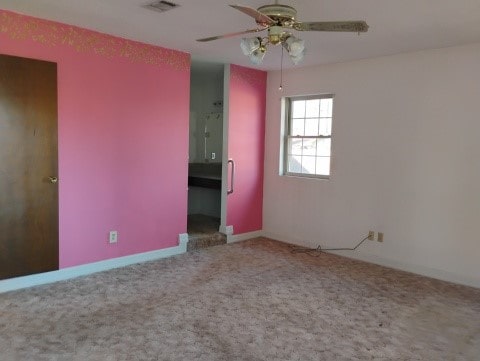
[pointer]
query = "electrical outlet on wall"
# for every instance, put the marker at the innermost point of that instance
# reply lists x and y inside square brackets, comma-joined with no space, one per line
[113,237]
[380,237]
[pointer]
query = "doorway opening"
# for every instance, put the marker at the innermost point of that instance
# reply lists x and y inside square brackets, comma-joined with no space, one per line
[205,155]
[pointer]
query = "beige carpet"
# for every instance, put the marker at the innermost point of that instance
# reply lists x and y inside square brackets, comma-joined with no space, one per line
[253,300]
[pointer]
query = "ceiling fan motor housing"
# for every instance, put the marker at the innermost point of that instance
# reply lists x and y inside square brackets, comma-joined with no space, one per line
[281,14]
[275,35]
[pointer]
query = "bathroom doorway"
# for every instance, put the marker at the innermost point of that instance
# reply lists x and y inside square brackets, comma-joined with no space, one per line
[205,155]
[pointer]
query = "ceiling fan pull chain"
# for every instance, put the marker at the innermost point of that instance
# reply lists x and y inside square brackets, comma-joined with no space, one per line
[281,72]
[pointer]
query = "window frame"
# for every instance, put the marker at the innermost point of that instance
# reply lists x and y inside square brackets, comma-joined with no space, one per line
[286,134]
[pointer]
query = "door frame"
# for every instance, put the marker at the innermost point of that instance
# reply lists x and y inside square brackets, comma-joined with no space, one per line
[224,228]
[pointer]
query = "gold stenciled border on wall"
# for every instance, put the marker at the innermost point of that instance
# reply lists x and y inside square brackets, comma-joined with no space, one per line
[247,75]
[21,27]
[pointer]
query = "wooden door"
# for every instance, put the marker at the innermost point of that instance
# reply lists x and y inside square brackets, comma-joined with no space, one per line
[28,167]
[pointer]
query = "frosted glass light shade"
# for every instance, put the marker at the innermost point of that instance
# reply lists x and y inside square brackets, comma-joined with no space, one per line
[295,46]
[257,56]
[253,48]
[297,59]
[249,45]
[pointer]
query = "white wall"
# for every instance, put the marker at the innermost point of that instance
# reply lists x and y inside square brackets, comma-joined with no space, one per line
[406,161]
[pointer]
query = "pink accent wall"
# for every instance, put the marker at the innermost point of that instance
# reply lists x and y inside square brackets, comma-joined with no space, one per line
[122,133]
[246,141]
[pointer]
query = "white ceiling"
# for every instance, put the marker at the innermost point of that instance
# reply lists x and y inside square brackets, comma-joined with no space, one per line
[395,25]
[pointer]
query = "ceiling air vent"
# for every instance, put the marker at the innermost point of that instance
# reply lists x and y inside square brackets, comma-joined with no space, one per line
[161,6]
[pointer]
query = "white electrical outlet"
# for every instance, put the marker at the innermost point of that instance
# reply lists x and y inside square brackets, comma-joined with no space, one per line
[380,237]
[113,237]
[213,155]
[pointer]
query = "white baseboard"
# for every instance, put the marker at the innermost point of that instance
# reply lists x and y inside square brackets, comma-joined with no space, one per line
[182,242]
[228,230]
[86,269]
[289,240]
[83,270]
[231,238]
[413,268]
[387,262]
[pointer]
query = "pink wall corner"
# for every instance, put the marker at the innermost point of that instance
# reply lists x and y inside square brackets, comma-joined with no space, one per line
[123,115]
[246,143]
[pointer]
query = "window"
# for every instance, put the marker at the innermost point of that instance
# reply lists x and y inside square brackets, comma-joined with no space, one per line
[308,136]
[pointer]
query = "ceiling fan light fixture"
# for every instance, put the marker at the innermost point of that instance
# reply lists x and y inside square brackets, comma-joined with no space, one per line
[257,56]
[295,46]
[297,58]
[250,45]
[278,20]
[254,49]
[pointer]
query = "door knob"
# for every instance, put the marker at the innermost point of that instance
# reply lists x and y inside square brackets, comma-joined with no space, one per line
[53,179]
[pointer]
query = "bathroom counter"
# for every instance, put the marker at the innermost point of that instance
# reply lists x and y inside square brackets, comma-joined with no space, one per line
[205,175]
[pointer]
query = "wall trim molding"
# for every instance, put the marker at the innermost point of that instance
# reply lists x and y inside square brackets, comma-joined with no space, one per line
[228,230]
[386,262]
[17,283]
[412,268]
[63,274]
[183,241]
[243,236]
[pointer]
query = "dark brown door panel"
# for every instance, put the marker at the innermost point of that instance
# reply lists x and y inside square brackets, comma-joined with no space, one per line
[28,167]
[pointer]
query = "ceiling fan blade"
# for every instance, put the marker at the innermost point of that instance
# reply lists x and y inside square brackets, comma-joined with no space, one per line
[260,18]
[352,26]
[232,34]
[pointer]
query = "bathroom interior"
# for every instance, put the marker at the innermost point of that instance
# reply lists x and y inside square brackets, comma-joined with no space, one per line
[205,155]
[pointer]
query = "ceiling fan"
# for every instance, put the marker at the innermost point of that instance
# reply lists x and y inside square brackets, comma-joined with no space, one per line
[279,20]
